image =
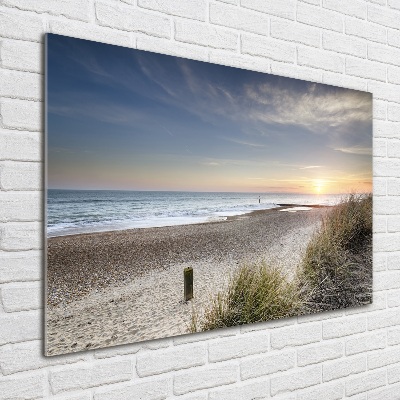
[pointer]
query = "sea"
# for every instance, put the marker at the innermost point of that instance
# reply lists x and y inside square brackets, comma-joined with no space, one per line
[84,211]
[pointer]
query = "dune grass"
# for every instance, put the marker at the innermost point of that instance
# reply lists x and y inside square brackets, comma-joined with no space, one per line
[336,272]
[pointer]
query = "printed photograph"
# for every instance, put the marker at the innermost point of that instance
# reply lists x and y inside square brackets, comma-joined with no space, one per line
[185,196]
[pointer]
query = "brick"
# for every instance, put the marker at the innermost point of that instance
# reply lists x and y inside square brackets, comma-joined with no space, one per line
[379,108]
[20,266]
[171,359]
[386,129]
[17,145]
[16,236]
[384,92]
[239,60]
[393,112]
[394,224]
[382,358]
[21,296]
[78,9]
[296,335]
[365,342]
[386,242]
[384,16]
[348,82]
[318,353]
[379,186]
[393,261]
[296,71]
[204,378]
[267,364]
[344,44]
[366,69]
[365,382]
[354,8]
[393,186]
[383,54]
[25,387]
[22,114]
[393,38]
[320,59]
[295,32]
[330,391]
[90,32]
[379,261]
[299,379]
[20,327]
[239,18]
[283,9]
[20,206]
[385,393]
[386,280]
[28,356]
[379,148]
[269,48]
[226,349]
[151,390]
[393,74]
[365,30]
[386,205]
[20,175]
[383,319]
[22,85]
[20,55]
[343,327]
[393,374]
[132,20]
[20,26]
[393,336]
[205,35]
[247,391]
[91,375]
[316,16]
[343,367]
[183,8]
[173,48]
[394,4]
[393,298]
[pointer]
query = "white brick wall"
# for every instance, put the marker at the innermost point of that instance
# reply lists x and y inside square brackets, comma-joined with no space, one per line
[354,353]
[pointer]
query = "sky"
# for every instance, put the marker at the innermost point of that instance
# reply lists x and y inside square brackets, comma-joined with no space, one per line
[125,119]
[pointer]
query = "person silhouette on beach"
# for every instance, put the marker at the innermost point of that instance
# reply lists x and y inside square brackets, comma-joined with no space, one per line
[259,199]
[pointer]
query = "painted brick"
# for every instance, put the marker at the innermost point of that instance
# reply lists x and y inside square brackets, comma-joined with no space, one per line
[393,261]
[387,280]
[20,327]
[283,9]
[365,382]
[320,59]
[90,32]
[348,82]
[20,55]
[267,364]
[150,390]
[22,114]
[78,9]
[383,16]
[393,38]
[394,224]
[194,9]
[344,44]
[379,187]
[269,48]
[354,8]
[393,74]
[343,367]
[240,60]
[20,266]
[247,391]
[299,379]
[205,35]
[25,387]
[131,19]
[394,114]
[383,319]
[204,378]
[20,175]
[383,54]
[366,69]
[365,342]
[343,327]
[19,146]
[87,376]
[385,393]
[330,391]
[394,4]
[319,17]
[295,32]
[239,18]
[379,261]
[21,296]
[172,359]
[382,358]
[229,348]
[295,71]
[16,236]
[365,30]
[393,336]
[20,26]
[28,356]
[386,242]
[318,353]
[393,374]
[384,92]
[379,108]
[392,166]
[20,206]
[393,298]
[296,335]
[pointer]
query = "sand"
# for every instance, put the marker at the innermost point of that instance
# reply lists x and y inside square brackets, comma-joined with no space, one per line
[127,286]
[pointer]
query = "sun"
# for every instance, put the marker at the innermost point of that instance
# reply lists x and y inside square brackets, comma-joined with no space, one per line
[318,186]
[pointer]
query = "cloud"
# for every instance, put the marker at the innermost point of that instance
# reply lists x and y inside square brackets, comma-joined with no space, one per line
[356,150]
[243,142]
[312,167]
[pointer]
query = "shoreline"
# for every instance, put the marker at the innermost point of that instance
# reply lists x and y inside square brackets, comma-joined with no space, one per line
[126,286]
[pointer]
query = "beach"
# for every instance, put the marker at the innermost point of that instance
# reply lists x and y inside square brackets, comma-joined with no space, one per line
[117,287]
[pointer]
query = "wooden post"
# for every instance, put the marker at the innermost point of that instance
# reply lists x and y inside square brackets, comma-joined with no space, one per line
[188,283]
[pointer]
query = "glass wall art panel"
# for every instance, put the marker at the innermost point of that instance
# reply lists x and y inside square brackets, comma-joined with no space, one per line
[184,196]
